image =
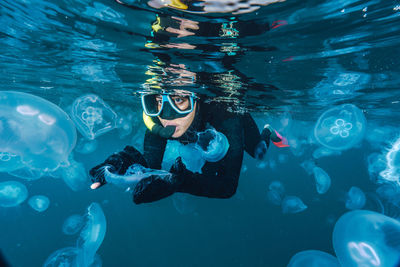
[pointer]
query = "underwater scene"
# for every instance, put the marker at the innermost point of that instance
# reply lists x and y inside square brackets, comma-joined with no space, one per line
[200,133]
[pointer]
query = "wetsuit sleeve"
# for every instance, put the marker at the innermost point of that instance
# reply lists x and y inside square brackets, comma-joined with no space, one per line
[252,135]
[154,148]
[218,179]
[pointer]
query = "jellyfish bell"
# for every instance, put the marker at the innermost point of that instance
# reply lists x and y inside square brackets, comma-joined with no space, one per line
[39,203]
[367,238]
[73,224]
[340,127]
[313,258]
[37,132]
[355,198]
[92,116]
[213,145]
[12,194]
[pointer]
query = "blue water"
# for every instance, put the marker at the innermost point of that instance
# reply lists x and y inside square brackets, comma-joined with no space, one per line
[286,63]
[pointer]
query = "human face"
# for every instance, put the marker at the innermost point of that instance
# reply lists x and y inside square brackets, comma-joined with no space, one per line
[181,124]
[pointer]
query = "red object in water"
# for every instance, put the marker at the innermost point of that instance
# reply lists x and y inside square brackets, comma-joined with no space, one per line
[288,59]
[283,142]
[278,23]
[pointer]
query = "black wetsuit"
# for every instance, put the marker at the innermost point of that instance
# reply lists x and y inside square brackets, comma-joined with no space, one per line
[217,180]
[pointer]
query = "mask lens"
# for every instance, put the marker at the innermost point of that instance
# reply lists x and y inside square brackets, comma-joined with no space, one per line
[181,102]
[152,103]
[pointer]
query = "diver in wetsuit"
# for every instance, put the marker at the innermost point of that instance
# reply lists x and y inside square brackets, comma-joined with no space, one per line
[180,116]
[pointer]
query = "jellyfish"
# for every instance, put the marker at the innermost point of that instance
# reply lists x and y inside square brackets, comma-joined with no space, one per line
[367,238]
[341,127]
[308,166]
[322,180]
[126,121]
[355,198]
[34,133]
[324,152]
[212,144]
[92,235]
[275,192]
[282,158]
[388,191]
[39,203]
[67,257]
[191,157]
[89,241]
[392,170]
[376,163]
[312,258]
[92,116]
[63,257]
[73,224]
[75,175]
[184,203]
[133,175]
[85,146]
[292,204]
[12,193]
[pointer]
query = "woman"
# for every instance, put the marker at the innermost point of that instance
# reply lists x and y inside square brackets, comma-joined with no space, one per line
[180,115]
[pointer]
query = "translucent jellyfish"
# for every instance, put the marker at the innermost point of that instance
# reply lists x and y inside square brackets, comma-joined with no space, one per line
[85,146]
[92,235]
[367,238]
[292,204]
[89,241]
[192,157]
[212,144]
[126,120]
[392,170]
[67,257]
[184,203]
[92,116]
[170,154]
[34,132]
[324,152]
[389,192]
[308,166]
[313,258]
[376,164]
[322,180]
[341,127]
[282,158]
[39,203]
[63,257]
[72,224]
[378,136]
[134,174]
[275,192]
[75,175]
[355,198]
[12,193]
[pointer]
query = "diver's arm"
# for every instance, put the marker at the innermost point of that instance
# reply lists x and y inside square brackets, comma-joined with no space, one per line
[118,163]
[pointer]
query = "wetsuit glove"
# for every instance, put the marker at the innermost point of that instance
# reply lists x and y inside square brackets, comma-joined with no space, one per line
[117,163]
[155,187]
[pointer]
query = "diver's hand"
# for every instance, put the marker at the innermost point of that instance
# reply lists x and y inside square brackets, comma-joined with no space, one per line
[156,187]
[95,185]
[97,174]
